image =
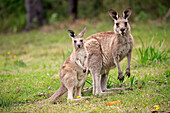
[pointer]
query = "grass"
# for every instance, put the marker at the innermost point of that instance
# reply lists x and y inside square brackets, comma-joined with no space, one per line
[31,69]
[148,53]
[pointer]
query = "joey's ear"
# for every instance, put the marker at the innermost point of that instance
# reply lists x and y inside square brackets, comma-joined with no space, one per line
[71,33]
[83,32]
[113,14]
[126,13]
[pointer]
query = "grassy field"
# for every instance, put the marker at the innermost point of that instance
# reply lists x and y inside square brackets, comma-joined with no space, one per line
[30,65]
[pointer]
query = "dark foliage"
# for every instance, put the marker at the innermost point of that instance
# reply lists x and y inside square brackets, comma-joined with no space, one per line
[13,12]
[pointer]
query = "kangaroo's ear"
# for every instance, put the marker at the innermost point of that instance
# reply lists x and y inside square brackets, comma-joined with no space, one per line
[71,33]
[126,13]
[113,14]
[83,32]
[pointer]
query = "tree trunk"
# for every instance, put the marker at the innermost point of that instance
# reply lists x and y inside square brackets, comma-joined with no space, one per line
[35,12]
[72,8]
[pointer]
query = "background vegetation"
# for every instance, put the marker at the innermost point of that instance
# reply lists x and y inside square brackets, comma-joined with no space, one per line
[13,12]
[30,61]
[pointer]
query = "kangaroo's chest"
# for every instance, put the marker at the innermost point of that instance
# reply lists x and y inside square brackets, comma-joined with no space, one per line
[81,76]
[124,49]
[82,56]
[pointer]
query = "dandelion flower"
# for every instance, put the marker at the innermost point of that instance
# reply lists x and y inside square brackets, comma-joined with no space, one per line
[156,107]
[78,96]
[14,56]
[9,53]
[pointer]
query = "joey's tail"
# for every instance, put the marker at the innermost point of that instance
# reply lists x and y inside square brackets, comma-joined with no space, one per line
[61,90]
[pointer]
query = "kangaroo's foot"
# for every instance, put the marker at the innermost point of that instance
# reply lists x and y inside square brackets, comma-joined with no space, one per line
[117,89]
[107,93]
[85,98]
[78,99]
[69,100]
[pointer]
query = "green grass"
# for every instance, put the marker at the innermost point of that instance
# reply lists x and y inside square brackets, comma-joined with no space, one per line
[150,53]
[40,54]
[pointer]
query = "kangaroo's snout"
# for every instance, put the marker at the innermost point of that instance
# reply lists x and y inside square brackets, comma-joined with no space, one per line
[122,30]
[78,46]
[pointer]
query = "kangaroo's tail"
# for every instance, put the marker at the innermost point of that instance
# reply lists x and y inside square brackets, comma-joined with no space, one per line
[62,89]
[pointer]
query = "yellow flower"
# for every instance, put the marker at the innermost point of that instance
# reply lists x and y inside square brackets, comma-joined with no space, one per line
[148,73]
[14,56]
[78,96]
[156,107]
[9,53]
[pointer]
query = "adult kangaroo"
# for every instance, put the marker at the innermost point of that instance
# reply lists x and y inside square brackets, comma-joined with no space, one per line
[106,49]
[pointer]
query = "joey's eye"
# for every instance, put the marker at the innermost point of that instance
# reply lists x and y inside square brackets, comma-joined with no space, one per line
[125,23]
[75,41]
[117,24]
[81,40]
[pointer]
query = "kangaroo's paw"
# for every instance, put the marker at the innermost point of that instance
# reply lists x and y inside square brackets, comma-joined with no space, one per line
[84,70]
[128,72]
[121,77]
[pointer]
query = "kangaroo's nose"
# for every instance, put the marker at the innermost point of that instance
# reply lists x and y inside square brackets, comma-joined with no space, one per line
[122,30]
[78,46]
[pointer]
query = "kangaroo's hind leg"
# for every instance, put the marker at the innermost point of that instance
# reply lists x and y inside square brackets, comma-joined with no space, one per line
[104,78]
[70,95]
[70,82]
[78,92]
[95,65]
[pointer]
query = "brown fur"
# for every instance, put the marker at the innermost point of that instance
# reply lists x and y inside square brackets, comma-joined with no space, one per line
[106,49]
[73,72]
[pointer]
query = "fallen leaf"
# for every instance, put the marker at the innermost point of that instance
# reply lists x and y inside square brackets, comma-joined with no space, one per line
[151,81]
[112,103]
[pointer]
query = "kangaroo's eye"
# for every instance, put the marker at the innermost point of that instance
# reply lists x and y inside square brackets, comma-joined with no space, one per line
[117,24]
[75,41]
[81,40]
[125,23]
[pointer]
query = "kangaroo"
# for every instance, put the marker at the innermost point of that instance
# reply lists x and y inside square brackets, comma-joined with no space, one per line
[73,72]
[106,49]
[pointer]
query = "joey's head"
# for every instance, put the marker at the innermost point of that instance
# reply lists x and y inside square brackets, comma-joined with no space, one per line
[121,25]
[77,40]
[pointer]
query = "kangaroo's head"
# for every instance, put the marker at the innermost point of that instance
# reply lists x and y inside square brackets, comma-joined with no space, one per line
[77,40]
[121,25]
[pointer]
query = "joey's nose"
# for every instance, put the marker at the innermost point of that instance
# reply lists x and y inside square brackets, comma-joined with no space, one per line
[122,30]
[78,46]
